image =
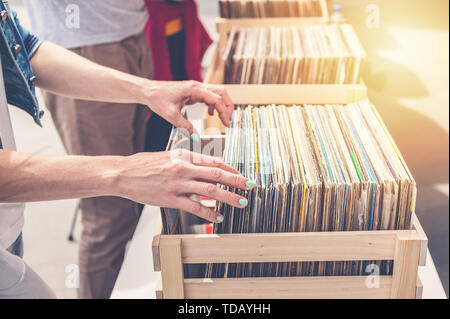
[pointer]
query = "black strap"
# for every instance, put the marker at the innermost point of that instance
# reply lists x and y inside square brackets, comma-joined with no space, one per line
[173,2]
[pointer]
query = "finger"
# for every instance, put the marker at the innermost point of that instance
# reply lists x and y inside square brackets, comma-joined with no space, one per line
[211,110]
[210,161]
[196,208]
[219,176]
[220,90]
[180,122]
[198,159]
[225,97]
[200,93]
[215,192]
[224,114]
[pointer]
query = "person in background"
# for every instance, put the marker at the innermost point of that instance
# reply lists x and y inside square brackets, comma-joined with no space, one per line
[178,42]
[110,33]
[165,179]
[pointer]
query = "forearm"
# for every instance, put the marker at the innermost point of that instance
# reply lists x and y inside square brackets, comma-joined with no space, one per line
[165,179]
[63,72]
[28,178]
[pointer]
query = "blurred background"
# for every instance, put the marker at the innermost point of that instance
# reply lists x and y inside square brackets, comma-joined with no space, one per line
[407,73]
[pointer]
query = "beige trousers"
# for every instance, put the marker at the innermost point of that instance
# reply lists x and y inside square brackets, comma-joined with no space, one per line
[93,128]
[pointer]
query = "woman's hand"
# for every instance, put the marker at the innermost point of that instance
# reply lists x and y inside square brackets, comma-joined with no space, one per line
[168,98]
[168,179]
[63,72]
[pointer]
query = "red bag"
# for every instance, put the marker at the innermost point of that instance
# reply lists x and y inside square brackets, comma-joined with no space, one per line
[197,38]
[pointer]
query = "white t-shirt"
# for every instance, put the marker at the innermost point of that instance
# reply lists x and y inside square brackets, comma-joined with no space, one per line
[11,215]
[78,23]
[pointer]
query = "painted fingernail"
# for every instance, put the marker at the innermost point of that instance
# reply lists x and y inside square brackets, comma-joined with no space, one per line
[243,202]
[220,219]
[194,138]
[250,184]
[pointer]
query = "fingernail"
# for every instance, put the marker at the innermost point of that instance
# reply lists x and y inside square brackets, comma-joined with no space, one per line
[243,202]
[220,219]
[194,138]
[250,184]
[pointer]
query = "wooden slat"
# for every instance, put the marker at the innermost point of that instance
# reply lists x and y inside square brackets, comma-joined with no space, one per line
[423,241]
[159,290]
[287,287]
[155,251]
[224,26]
[419,288]
[155,245]
[295,93]
[172,268]
[287,94]
[212,75]
[406,262]
[282,247]
[324,7]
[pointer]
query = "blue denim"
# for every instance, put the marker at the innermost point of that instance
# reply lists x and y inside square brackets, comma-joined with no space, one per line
[17,247]
[17,47]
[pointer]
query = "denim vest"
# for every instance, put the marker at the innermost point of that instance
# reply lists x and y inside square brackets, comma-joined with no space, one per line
[17,46]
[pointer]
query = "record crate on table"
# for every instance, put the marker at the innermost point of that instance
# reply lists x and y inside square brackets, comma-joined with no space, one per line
[171,253]
[242,94]
[406,248]
[215,74]
[224,25]
[258,94]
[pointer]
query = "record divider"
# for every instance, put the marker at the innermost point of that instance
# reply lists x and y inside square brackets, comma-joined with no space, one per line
[407,248]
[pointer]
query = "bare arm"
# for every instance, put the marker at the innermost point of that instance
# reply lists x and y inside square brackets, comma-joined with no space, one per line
[165,179]
[63,72]
[153,178]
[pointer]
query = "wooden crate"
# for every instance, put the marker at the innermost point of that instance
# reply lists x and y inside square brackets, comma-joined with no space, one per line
[287,94]
[407,248]
[224,25]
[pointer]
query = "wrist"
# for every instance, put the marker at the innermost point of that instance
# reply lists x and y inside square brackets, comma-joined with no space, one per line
[110,168]
[145,89]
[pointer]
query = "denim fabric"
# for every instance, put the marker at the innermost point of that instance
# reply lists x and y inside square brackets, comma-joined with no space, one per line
[17,73]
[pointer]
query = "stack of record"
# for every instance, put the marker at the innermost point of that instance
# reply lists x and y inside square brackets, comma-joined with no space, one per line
[269,8]
[317,168]
[320,54]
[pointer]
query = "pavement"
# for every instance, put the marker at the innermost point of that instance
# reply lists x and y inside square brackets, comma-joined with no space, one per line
[407,76]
